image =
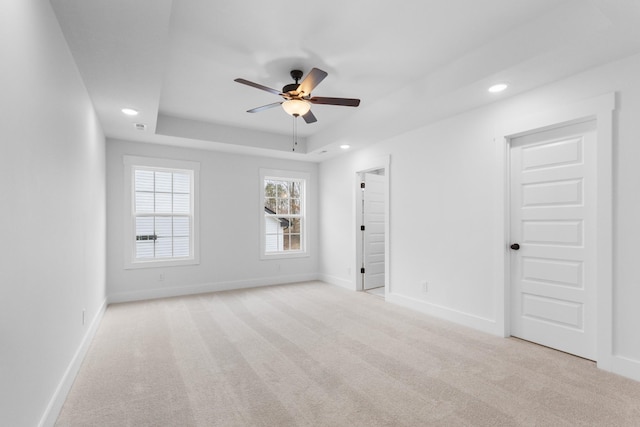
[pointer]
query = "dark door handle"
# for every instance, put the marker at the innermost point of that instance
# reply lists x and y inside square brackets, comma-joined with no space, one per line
[515,246]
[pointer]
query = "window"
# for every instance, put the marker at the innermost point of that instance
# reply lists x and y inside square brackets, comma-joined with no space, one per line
[161,223]
[283,230]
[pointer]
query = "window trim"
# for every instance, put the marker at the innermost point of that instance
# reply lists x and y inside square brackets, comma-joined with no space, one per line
[284,175]
[130,164]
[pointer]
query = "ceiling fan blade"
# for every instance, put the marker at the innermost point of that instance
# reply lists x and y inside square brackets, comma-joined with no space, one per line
[258,86]
[312,80]
[264,107]
[309,117]
[347,102]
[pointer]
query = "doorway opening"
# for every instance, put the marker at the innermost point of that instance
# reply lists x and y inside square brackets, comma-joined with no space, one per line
[371,237]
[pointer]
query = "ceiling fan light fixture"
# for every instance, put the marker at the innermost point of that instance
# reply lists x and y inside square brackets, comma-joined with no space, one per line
[296,107]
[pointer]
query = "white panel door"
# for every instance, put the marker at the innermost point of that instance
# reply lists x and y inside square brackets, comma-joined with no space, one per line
[553,220]
[373,217]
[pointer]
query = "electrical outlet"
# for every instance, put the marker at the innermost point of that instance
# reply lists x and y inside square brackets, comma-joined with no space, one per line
[424,286]
[161,277]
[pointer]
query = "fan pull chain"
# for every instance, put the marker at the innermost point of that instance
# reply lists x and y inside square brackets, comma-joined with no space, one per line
[295,132]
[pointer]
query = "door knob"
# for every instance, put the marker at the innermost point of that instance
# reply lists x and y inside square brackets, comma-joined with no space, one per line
[515,246]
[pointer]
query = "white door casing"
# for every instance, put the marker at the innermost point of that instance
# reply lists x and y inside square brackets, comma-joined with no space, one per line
[373,217]
[553,183]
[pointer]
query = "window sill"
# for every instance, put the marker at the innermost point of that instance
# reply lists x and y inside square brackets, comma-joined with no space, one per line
[160,263]
[284,255]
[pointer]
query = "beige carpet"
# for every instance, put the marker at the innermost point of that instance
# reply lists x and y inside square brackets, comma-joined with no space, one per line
[313,354]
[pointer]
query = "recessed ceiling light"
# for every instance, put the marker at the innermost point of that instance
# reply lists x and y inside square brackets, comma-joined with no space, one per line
[498,88]
[345,146]
[130,111]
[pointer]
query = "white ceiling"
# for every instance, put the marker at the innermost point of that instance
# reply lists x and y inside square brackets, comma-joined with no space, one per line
[409,62]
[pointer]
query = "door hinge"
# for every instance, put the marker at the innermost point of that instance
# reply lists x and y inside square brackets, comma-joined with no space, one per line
[362,185]
[362,227]
[362,270]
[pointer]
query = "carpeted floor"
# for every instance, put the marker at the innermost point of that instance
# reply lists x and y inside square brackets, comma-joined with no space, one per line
[313,354]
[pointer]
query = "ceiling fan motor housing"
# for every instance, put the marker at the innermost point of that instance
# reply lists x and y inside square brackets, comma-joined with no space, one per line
[292,87]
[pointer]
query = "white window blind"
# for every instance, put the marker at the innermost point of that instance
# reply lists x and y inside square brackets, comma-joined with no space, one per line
[163,226]
[162,214]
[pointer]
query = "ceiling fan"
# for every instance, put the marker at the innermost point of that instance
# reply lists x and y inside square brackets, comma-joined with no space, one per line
[297,96]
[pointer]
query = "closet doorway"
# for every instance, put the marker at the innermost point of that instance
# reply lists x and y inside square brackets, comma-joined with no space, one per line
[371,230]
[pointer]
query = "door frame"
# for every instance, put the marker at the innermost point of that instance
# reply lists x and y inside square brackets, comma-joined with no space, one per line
[360,252]
[374,164]
[601,110]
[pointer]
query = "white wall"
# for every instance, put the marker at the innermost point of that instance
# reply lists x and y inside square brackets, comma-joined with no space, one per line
[52,215]
[230,212]
[445,200]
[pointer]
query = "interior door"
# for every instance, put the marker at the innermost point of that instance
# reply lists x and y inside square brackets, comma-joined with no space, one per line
[373,240]
[553,232]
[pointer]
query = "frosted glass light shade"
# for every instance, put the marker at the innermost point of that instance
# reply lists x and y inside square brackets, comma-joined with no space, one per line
[296,107]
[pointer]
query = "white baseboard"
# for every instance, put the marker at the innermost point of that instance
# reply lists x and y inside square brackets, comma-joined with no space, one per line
[60,395]
[626,367]
[338,281]
[455,316]
[207,287]
[620,365]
